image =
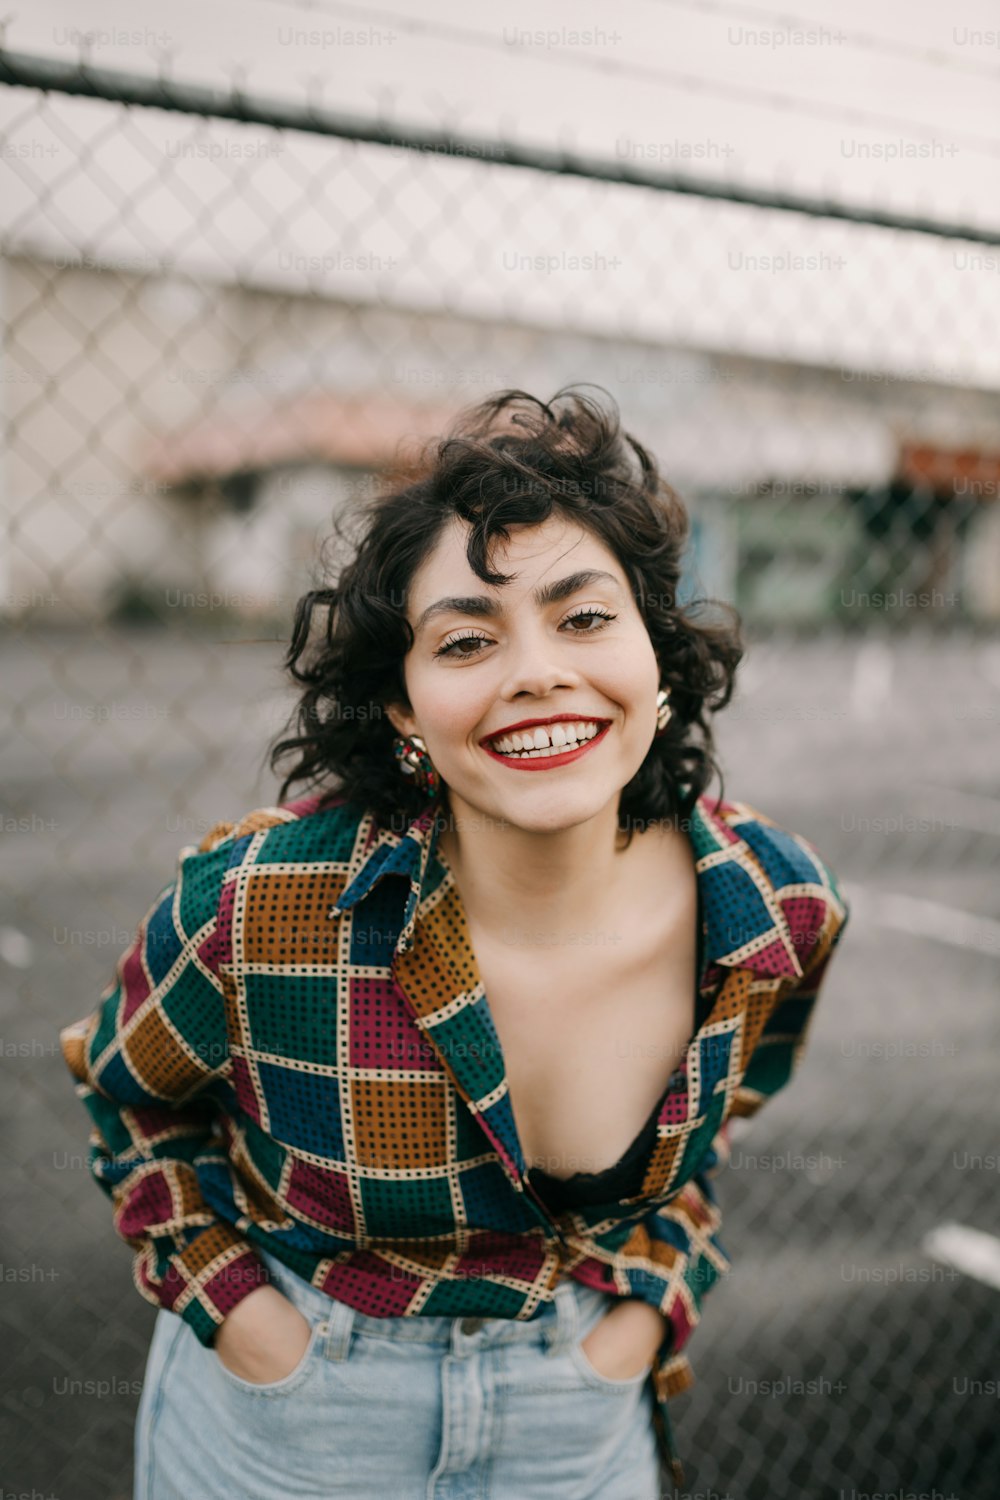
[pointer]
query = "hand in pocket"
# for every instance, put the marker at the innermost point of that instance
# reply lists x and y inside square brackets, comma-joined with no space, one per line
[625,1341]
[263,1338]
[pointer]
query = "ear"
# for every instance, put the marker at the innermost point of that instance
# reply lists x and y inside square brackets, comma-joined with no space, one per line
[401,719]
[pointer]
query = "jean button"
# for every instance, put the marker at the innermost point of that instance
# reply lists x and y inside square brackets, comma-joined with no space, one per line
[472,1325]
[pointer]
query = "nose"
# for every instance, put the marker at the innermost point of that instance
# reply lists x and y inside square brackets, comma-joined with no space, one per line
[536,666]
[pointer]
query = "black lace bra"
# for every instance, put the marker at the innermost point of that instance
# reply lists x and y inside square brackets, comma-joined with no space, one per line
[622,1180]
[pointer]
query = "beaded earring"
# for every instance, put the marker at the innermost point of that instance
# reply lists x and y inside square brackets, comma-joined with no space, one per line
[663,711]
[413,759]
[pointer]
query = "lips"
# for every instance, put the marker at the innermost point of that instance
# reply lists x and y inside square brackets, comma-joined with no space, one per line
[523,724]
[553,757]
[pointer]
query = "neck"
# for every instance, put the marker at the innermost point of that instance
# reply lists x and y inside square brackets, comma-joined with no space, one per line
[517,880]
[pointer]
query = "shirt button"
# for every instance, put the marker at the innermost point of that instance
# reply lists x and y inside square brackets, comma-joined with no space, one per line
[472,1325]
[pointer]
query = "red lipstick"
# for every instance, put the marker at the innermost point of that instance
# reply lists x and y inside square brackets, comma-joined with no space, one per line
[547,762]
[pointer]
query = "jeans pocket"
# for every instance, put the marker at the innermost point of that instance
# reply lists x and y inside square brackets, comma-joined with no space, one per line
[289,1382]
[594,1377]
[591,1375]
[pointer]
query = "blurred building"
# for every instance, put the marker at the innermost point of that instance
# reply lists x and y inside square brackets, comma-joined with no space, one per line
[183,445]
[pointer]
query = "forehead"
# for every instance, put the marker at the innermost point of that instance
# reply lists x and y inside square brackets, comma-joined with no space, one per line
[549,549]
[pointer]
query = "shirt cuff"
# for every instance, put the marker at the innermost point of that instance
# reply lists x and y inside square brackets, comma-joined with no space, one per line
[205,1281]
[672,1373]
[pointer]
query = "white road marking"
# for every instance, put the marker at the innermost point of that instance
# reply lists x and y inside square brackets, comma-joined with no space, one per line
[972,1251]
[15,948]
[871,682]
[922,918]
[988,660]
[964,809]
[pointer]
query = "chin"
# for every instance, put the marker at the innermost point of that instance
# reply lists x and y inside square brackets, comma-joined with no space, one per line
[549,811]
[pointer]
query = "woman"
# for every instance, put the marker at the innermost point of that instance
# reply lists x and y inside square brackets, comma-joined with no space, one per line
[409,1092]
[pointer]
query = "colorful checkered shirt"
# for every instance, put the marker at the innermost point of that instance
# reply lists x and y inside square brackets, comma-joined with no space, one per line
[296,1052]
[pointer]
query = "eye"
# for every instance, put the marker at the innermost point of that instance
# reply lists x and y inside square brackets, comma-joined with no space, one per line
[591,613]
[449,647]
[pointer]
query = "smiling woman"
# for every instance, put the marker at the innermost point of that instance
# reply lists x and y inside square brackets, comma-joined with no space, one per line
[412,594]
[409,1092]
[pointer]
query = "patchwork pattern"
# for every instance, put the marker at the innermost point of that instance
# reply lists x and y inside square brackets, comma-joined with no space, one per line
[297,1053]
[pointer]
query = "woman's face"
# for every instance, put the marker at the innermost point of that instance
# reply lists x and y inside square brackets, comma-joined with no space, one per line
[486,658]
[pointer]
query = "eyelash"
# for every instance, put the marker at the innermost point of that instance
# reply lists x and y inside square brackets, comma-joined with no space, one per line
[584,614]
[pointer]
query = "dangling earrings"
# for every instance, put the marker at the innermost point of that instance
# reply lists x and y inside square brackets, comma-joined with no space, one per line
[411,755]
[663,711]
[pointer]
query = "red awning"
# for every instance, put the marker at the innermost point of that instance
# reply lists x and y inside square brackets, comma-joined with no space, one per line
[967,472]
[363,431]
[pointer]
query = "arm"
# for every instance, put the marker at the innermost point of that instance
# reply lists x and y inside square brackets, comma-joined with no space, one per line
[783,1040]
[143,1063]
[681,1237]
[680,1241]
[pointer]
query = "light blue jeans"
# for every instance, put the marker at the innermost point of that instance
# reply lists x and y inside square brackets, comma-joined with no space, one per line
[416,1408]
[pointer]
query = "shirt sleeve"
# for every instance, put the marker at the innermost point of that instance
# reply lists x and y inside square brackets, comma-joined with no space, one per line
[681,1237]
[144,1062]
[677,1258]
[782,1042]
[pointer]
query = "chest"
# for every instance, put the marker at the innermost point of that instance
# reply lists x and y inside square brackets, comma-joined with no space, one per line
[592,1031]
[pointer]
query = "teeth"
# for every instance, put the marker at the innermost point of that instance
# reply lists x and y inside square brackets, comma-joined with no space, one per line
[537,743]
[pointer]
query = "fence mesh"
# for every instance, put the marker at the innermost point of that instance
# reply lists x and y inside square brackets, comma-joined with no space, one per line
[215,332]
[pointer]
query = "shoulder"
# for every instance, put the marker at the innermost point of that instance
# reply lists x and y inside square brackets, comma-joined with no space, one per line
[318,829]
[786,857]
[791,872]
[290,825]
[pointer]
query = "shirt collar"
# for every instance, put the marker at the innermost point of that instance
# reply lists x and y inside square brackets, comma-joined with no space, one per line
[743,923]
[408,854]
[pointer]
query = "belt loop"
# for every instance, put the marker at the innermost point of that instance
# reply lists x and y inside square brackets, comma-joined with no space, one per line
[339,1327]
[562,1331]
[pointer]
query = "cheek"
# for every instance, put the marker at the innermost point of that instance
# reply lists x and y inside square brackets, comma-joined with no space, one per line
[453,728]
[450,715]
[630,676]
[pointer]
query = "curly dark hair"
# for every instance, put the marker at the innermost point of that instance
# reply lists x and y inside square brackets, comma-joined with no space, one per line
[510,460]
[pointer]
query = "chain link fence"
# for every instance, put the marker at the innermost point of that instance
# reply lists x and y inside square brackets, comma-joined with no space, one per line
[220,319]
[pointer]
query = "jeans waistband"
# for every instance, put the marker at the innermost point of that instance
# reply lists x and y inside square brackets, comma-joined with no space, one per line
[575,1309]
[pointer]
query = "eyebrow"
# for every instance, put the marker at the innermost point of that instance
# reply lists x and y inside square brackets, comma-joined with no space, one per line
[547,593]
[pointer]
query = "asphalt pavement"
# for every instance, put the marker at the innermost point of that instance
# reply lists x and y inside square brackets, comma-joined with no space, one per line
[841,1360]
